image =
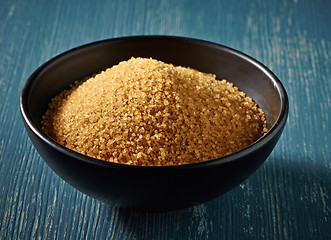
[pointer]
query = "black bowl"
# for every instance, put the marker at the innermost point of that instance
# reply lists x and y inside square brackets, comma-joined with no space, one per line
[154,188]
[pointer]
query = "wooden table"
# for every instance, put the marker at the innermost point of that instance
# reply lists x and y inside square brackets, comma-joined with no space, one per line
[289,197]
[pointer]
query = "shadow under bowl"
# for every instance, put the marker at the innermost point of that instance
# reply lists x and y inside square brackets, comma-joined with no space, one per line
[154,188]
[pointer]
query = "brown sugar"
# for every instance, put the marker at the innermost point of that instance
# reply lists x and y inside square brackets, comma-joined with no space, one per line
[146,112]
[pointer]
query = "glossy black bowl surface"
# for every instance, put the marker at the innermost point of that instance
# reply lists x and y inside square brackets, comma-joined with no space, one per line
[154,188]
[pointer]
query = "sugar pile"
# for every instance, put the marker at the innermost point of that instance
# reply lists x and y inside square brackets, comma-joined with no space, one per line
[146,112]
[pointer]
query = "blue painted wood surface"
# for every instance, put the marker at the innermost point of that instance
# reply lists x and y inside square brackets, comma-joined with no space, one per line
[289,197]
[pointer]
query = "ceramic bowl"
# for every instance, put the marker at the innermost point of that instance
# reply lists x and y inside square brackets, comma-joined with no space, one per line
[154,188]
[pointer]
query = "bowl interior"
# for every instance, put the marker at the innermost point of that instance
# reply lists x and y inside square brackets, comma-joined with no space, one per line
[246,73]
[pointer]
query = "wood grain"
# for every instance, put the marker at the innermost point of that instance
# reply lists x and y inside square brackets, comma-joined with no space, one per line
[289,197]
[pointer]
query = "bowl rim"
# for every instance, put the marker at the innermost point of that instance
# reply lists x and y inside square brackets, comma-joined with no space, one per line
[277,126]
